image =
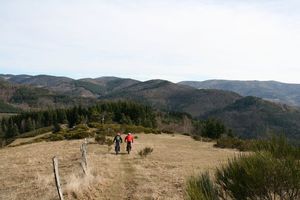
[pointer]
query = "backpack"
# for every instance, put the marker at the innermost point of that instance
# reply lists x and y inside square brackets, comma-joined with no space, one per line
[118,139]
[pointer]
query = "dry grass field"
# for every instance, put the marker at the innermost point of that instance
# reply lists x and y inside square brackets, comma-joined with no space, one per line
[26,171]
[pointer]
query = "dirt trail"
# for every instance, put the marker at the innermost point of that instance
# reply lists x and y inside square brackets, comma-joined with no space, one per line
[26,171]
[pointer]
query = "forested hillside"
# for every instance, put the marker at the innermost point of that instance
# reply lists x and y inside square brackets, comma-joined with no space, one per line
[269,90]
[110,112]
[252,117]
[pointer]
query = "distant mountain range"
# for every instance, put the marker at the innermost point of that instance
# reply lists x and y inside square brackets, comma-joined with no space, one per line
[269,90]
[247,116]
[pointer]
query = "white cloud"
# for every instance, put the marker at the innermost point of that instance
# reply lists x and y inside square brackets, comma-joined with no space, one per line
[175,40]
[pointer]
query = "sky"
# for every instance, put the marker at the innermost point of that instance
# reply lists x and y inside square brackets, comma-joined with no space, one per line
[152,39]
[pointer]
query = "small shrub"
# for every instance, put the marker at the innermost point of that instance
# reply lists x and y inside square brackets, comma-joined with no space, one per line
[260,176]
[35,132]
[100,139]
[82,127]
[109,142]
[279,147]
[139,129]
[54,137]
[202,139]
[201,188]
[100,132]
[76,134]
[186,134]
[235,143]
[155,131]
[271,172]
[145,152]
[197,137]
[94,125]
[56,128]
[167,131]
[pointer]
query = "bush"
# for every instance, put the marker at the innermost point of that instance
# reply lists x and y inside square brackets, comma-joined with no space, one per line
[202,188]
[197,137]
[145,152]
[138,129]
[186,134]
[71,135]
[260,176]
[167,131]
[279,147]
[235,143]
[100,139]
[202,139]
[55,137]
[95,125]
[81,127]
[272,172]
[109,142]
[36,132]
[107,129]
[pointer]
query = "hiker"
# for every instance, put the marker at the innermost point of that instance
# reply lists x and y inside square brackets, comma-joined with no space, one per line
[118,140]
[129,140]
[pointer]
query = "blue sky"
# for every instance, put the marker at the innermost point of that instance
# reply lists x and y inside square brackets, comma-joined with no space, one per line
[166,39]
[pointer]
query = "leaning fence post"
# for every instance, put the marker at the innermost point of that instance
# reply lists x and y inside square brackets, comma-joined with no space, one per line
[57,179]
[83,149]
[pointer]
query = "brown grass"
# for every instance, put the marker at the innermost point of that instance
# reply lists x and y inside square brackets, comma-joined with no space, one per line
[26,171]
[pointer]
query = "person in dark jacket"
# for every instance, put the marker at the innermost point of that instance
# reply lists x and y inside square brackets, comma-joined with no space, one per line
[117,140]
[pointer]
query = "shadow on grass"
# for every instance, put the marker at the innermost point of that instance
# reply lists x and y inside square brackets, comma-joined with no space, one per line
[122,153]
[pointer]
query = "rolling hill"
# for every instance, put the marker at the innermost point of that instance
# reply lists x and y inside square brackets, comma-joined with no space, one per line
[247,116]
[15,97]
[252,117]
[170,96]
[88,87]
[269,90]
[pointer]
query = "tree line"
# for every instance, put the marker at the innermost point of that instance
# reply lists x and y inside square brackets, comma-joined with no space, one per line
[122,112]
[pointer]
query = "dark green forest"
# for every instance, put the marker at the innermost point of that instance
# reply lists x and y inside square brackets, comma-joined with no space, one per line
[107,112]
[120,112]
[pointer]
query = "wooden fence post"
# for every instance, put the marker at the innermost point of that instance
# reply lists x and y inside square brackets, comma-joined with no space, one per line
[83,149]
[57,179]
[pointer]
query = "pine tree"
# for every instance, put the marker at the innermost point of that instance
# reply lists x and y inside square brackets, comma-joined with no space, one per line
[29,125]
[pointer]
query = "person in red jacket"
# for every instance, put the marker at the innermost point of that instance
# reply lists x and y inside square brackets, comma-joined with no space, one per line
[129,140]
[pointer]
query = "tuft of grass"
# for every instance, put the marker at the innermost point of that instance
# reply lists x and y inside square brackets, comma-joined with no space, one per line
[145,152]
